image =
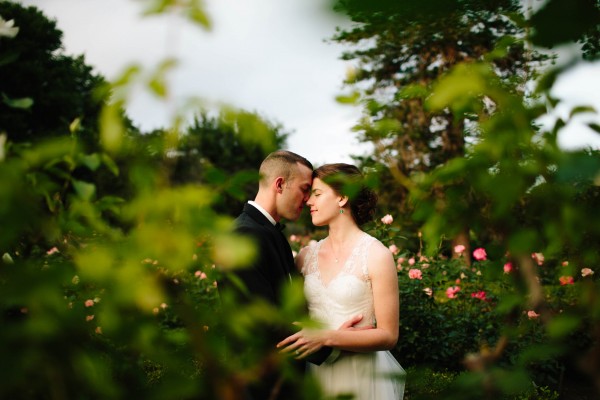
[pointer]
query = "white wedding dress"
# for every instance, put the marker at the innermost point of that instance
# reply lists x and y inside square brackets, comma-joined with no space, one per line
[366,376]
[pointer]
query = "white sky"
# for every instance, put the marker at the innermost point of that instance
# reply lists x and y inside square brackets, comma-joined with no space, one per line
[265,56]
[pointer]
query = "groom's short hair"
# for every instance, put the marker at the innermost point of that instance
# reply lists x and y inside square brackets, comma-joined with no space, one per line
[281,163]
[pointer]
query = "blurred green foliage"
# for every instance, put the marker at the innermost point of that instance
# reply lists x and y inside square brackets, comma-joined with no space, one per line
[110,238]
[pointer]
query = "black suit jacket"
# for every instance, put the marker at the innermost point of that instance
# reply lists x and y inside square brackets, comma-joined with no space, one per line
[274,265]
[265,277]
[272,269]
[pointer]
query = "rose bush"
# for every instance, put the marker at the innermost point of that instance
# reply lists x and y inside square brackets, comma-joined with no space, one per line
[453,307]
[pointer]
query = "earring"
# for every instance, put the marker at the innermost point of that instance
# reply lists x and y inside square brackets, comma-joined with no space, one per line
[341,210]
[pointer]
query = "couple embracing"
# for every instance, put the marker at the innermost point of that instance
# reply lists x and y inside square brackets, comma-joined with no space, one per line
[350,280]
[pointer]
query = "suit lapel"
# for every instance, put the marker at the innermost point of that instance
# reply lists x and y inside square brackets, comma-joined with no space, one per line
[284,251]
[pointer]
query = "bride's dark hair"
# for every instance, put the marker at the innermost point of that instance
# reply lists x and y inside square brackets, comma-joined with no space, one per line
[347,180]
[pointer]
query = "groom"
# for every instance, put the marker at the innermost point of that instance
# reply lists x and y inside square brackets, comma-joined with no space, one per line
[284,188]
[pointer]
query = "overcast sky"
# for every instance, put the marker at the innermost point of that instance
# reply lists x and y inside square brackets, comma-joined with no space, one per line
[266,56]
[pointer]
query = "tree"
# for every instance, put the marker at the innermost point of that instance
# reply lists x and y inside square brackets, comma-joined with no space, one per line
[60,88]
[225,149]
[402,49]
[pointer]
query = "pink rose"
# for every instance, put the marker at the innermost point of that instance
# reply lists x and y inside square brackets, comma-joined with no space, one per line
[52,251]
[411,261]
[508,267]
[88,318]
[451,291]
[387,219]
[532,314]
[538,257]
[200,274]
[586,272]
[89,303]
[394,249]
[565,263]
[415,274]
[479,295]
[480,254]
[566,280]
[401,260]
[459,248]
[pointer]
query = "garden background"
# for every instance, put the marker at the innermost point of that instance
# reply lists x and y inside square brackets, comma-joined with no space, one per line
[110,235]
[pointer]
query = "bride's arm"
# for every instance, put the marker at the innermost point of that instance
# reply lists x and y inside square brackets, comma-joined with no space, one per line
[384,280]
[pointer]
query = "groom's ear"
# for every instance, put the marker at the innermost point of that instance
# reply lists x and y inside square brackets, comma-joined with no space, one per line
[279,181]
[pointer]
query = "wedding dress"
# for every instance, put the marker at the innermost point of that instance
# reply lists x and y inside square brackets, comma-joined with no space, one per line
[367,376]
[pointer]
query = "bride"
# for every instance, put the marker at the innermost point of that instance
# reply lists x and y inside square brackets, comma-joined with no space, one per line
[349,273]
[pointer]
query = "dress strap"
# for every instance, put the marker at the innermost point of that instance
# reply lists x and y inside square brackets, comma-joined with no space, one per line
[366,241]
[310,261]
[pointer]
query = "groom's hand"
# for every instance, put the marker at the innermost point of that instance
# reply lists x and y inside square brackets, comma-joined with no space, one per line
[350,324]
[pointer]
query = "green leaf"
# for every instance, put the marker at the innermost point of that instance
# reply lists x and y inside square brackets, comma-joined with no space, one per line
[111,128]
[95,265]
[413,91]
[386,125]
[158,81]
[110,164]
[22,103]
[352,98]
[231,251]
[128,75]
[7,259]
[157,7]
[562,325]
[459,88]
[84,190]
[502,48]
[582,109]
[594,126]
[111,203]
[75,125]
[200,17]
[91,161]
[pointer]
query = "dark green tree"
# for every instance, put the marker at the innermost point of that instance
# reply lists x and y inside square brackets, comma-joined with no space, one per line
[223,150]
[59,88]
[402,48]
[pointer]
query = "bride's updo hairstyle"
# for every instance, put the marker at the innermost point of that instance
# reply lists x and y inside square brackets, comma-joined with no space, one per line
[347,180]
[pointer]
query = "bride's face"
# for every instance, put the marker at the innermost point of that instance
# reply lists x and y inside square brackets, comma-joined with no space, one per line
[324,203]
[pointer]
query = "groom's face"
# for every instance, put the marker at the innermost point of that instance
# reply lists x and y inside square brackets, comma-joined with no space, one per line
[295,193]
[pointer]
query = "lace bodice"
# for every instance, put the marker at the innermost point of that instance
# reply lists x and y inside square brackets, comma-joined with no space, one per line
[347,294]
